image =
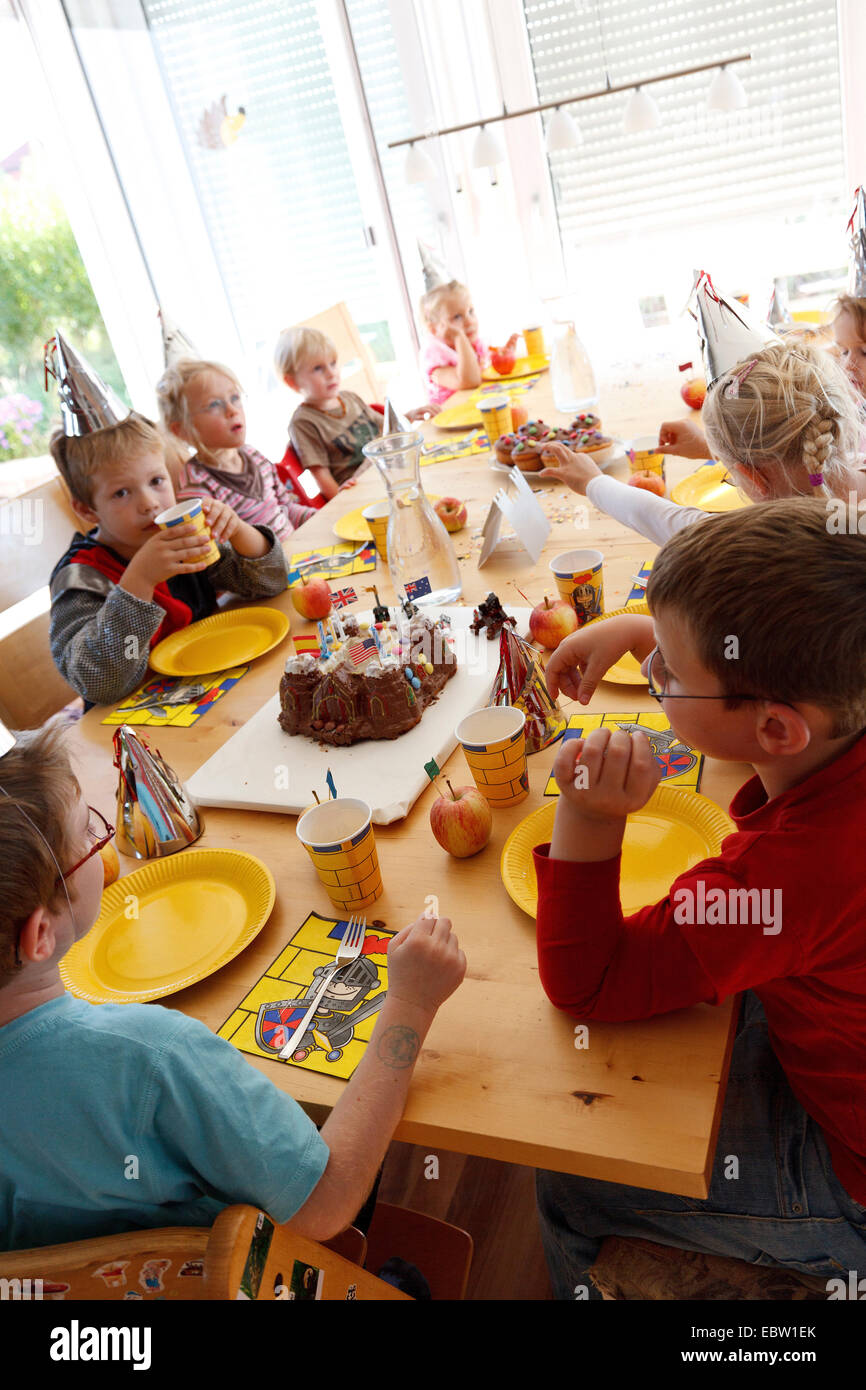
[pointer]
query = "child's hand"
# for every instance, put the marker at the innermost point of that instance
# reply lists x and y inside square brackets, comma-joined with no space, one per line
[608,774]
[581,660]
[452,333]
[425,964]
[350,482]
[178,550]
[221,519]
[422,412]
[683,438]
[573,469]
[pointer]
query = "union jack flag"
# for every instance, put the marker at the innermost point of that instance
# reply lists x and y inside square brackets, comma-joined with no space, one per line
[359,651]
[416,587]
[342,597]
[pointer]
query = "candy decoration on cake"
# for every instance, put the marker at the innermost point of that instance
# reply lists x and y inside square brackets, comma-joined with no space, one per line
[728,334]
[176,346]
[86,403]
[155,816]
[857,234]
[520,682]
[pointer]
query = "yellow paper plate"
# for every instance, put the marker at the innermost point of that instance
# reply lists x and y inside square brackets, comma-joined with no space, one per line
[523,366]
[196,911]
[216,643]
[458,417]
[626,671]
[674,831]
[353,527]
[708,490]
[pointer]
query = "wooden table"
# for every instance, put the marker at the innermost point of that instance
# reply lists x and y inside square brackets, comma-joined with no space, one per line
[500,1075]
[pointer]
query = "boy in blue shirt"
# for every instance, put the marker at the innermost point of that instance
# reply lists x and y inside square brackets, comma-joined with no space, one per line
[86,1088]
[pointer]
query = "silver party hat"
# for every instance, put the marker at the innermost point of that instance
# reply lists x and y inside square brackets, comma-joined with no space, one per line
[175,344]
[7,740]
[86,403]
[857,259]
[393,422]
[779,315]
[155,816]
[728,334]
[433,267]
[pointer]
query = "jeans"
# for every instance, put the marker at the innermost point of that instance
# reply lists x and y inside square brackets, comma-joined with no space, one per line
[785,1207]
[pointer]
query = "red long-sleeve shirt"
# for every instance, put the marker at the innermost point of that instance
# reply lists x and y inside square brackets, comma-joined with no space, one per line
[810,975]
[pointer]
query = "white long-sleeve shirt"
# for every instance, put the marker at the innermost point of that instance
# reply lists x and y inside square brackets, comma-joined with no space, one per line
[654,517]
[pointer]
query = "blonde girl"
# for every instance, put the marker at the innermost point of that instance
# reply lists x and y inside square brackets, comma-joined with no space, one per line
[452,355]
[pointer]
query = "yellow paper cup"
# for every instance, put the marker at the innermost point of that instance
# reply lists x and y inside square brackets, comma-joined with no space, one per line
[376,517]
[646,460]
[534,341]
[494,741]
[338,837]
[188,513]
[580,580]
[495,412]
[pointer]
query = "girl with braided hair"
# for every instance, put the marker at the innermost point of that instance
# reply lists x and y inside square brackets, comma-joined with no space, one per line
[785,423]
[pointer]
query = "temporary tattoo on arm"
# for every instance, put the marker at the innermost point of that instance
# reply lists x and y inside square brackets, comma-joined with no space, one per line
[398,1047]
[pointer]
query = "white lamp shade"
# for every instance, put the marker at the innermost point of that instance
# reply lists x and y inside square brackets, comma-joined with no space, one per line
[727,92]
[487,150]
[563,132]
[419,167]
[642,113]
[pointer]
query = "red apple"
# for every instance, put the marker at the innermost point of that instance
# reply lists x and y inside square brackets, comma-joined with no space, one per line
[694,390]
[451,512]
[312,598]
[653,482]
[519,415]
[462,823]
[550,622]
[502,359]
[110,865]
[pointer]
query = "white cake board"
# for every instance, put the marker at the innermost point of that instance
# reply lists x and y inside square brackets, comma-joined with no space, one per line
[387,773]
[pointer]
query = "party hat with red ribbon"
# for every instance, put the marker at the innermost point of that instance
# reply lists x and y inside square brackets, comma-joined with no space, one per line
[155,815]
[728,332]
[86,403]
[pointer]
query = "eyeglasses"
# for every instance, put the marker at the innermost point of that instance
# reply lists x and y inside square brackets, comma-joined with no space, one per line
[101,832]
[655,660]
[221,407]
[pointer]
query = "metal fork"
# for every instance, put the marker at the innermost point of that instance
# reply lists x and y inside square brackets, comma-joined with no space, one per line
[332,562]
[348,950]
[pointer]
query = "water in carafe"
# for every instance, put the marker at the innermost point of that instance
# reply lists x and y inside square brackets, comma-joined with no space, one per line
[421,555]
[571,375]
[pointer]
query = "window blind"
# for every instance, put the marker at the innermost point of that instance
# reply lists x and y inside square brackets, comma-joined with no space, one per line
[783,154]
[281,202]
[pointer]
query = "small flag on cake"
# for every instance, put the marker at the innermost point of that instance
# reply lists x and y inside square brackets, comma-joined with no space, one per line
[342,597]
[417,587]
[306,644]
[360,651]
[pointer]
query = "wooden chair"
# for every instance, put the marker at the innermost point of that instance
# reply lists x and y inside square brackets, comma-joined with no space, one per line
[442,1253]
[35,529]
[357,367]
[244,1255]
[635,1270]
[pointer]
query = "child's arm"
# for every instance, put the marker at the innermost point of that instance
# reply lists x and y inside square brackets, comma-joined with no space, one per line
[654,517]
[101,642]
[467,373]
[252,575]
[580,661]
[683,438]
[425,966]
[313,453]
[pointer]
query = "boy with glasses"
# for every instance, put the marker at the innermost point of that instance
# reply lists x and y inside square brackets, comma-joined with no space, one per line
[756,651]
[86,1088]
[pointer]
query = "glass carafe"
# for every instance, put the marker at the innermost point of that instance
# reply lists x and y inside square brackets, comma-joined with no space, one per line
[571,376]
[421,557]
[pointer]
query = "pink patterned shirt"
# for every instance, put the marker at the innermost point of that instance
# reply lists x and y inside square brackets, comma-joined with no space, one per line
[258,495]
[436,353]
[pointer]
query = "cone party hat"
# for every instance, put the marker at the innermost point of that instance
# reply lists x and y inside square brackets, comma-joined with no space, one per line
[394,422]
[727,331]
[175,344]
[433,267]
[857,234]
[86,403]
[520,682]
[779,315]
[155,816]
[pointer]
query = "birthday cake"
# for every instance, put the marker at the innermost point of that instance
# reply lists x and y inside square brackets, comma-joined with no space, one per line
[375,684]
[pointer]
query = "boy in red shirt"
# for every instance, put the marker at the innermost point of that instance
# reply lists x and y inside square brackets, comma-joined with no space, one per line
[747,667]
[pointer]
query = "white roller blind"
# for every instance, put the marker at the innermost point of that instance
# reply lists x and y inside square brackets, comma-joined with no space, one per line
[281,203]
[783,155]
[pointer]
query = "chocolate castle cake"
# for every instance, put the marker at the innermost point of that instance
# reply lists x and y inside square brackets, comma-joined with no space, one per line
[376,684]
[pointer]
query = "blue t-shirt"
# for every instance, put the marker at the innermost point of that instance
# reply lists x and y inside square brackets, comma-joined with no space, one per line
[120,1116]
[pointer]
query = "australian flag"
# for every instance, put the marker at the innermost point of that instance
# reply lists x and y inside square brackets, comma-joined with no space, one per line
[417,587]
[342,597]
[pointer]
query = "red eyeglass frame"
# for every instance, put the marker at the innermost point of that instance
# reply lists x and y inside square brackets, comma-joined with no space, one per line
[94,849]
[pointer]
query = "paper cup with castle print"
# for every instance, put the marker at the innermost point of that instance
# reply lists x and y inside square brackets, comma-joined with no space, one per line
[534,341]
[189,513]
[338,837]
[495,412]
[376,517]
[494,741]
[643,456]
[580,580]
